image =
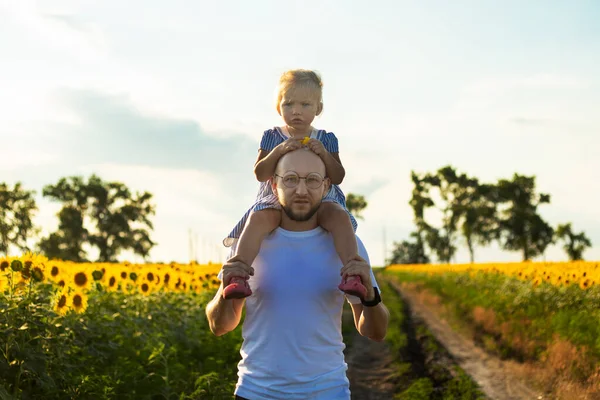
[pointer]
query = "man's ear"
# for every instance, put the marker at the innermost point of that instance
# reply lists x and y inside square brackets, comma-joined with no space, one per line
[326,187]
[319,108]
[273,186]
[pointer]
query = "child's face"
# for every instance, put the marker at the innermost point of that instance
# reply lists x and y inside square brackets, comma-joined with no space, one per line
[299,106]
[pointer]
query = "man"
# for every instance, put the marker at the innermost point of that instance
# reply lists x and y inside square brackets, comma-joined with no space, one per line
[293,346]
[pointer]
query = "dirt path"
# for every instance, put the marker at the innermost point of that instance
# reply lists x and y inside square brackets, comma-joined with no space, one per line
[369,370]
[489,372]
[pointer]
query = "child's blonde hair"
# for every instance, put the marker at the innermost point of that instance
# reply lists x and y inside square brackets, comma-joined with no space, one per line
[299,77]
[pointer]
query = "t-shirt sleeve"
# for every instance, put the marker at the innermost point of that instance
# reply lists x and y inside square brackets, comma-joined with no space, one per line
[269,140]
[362,251]
[330,143]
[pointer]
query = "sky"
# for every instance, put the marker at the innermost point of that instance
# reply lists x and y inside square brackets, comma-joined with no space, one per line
[173,98]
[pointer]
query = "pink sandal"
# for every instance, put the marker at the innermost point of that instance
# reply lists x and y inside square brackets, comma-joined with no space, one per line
[353,286]
[237,288]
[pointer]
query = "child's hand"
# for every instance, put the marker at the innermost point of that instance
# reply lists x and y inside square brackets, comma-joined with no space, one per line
[316,146]
[289,145]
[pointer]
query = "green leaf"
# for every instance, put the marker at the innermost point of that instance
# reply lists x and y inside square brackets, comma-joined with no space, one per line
[4,394]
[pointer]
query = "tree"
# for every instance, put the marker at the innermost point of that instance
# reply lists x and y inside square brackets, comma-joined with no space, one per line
[419,202]
[574,243]
[356,204]
[17,207]
[521,228]
[451,190]
[68,241]
[407,252]
[121,220]
[478,215]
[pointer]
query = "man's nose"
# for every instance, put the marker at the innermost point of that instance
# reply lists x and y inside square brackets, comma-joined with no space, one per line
[301,188]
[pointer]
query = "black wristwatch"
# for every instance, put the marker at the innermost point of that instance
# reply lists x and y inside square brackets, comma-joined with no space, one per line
[373,302]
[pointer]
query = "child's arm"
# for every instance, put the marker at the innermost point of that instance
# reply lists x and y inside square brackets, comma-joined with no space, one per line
[335,169]
[264,168]
[333,164]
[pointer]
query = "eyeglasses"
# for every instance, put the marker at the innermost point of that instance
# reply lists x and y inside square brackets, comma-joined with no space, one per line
[291,180]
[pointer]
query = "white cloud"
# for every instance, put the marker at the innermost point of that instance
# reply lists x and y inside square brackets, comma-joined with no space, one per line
[58,30]
[19,157]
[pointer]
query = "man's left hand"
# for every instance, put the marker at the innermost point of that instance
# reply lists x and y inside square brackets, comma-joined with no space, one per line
[360,267]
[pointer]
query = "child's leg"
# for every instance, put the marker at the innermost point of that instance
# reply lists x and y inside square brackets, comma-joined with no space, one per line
[334,219]
[257,227]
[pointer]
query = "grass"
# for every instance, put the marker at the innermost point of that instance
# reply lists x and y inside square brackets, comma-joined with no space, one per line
[557,329]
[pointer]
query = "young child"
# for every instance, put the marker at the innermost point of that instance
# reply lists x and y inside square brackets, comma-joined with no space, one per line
[299,101]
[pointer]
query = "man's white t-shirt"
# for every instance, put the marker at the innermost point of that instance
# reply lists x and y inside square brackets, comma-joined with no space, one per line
[293,346]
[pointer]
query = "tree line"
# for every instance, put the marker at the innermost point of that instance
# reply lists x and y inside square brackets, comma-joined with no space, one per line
[479,213]
[448,208]
[94,214]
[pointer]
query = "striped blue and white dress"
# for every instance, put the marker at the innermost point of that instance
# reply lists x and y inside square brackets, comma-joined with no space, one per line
[267,199]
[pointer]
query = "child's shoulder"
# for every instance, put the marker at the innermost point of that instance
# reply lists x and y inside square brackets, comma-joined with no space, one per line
[325,136]
[329,140]
[274,131]
[325,133]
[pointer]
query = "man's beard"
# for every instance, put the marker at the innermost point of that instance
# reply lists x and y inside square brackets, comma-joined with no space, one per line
[301,218]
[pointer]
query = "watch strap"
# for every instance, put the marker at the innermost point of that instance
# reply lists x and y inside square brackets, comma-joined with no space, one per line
[376,300]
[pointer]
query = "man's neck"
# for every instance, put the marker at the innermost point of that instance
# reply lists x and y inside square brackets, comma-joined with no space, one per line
[298,226]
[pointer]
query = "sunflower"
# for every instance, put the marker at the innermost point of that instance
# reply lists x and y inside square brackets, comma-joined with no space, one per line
[61,302]
[169,279]
[37,274]
[4,264]
[150,277]
[558,280]
[26,271]
[81,280]
[123,275]
[585,284]
[79,301]
[112,282]
[145,287]
[55,272]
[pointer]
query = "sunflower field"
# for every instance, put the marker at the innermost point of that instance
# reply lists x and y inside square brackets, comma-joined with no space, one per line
[127,331]
[546,314]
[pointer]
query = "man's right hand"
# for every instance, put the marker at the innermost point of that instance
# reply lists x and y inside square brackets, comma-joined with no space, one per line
[236,267]
[224,312]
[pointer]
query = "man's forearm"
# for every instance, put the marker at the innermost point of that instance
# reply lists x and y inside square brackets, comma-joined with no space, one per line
[223,315]
[374,321]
